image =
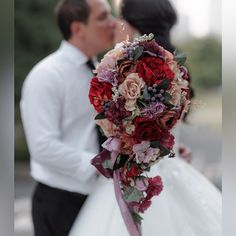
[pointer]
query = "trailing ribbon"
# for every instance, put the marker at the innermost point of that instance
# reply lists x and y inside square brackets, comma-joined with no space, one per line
[133,228]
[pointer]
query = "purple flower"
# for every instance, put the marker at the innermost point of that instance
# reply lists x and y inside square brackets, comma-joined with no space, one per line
[107,76]
[153,110]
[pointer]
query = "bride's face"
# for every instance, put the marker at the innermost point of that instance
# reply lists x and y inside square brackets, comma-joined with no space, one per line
[124,31]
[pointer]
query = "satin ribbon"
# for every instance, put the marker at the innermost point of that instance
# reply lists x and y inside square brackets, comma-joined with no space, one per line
[134,229]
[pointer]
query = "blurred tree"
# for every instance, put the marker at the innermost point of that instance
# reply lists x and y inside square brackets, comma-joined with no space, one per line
[204,62]
[36,35]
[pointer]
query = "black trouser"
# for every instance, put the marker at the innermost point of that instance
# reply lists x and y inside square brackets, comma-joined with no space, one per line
[54,210]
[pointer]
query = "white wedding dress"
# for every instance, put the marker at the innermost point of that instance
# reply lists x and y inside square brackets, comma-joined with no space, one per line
[189,205]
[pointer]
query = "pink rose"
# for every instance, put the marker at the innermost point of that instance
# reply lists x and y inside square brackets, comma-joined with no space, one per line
[108,127]
[167,119]
[125,69]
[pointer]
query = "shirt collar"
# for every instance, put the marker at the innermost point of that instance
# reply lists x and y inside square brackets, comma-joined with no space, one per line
[72,53]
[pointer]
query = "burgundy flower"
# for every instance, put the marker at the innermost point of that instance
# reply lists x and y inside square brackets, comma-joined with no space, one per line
[153,47]
[98,161]
[144,205]
[126,68]
[146,130]
[155,186]
[116,112]
[168,140]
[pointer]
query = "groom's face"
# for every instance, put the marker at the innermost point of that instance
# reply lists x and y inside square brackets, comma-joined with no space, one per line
[100,28]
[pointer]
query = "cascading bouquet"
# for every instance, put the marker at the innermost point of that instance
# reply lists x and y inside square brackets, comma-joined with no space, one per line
[140,91]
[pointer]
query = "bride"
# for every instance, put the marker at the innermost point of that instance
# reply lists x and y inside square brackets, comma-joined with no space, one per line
[189,204]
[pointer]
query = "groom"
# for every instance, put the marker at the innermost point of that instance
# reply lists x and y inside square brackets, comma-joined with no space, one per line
[58,118]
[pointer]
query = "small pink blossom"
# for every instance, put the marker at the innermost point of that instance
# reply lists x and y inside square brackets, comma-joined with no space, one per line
[141,184]
[144,153]
[112,144]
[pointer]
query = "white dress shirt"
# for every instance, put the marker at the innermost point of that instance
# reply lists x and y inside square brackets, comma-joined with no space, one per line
[58,120]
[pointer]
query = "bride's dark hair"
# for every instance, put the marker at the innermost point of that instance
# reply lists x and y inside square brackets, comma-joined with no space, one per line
[151,16]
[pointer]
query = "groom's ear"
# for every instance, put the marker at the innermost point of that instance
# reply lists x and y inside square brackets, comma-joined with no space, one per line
[77,29]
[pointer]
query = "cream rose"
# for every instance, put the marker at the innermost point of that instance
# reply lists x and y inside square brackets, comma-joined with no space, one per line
[175,92]
[131,89]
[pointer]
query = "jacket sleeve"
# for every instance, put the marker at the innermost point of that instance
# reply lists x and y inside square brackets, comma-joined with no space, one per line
[41,111]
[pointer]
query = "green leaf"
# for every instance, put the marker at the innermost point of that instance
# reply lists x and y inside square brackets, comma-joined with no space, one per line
[148,169]
[167,96]
[131,194]
[138,52]
[146,95]
[107,164]
[137,218]
[164,84]
[164,150]
[120,161]
[141,103]
[100,116]
[154,144]
[169,105]
[179,57]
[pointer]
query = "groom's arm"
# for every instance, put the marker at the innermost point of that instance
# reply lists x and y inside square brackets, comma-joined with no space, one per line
[41,112]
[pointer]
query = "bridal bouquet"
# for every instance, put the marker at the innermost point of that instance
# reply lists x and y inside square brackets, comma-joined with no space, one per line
[140,91]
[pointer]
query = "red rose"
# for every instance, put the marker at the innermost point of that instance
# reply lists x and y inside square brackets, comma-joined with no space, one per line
[99,93]
[168,140]
[154,69]
[144,206]
[146,130]
[133,172]
[155,186]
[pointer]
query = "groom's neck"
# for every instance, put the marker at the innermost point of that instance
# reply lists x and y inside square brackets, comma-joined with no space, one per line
[83,46]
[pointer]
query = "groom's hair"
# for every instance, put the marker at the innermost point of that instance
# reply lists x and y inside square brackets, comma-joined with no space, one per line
[68,11]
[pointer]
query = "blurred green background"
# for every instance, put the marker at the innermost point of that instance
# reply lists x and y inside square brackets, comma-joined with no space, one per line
[36,36]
